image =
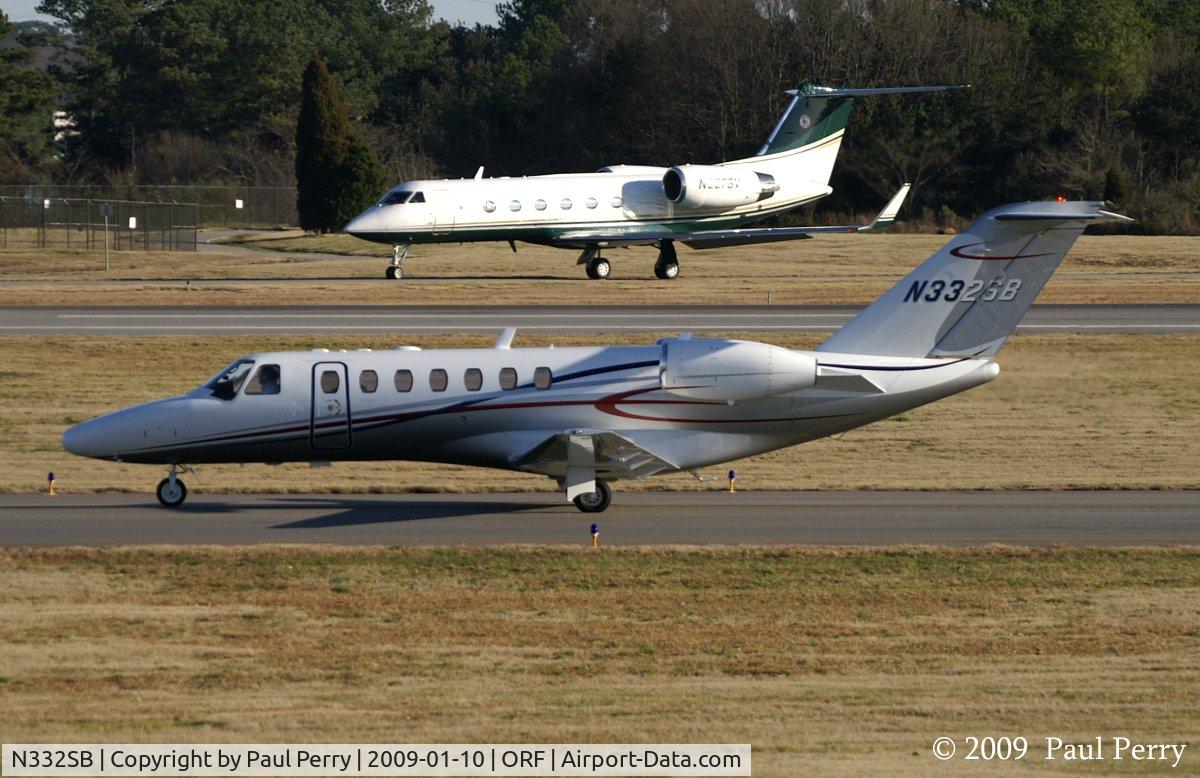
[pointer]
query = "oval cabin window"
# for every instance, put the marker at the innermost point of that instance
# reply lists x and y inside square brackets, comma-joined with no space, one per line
[438,380]
[473,379]
[591,202]
[368,381]
[566,204]
[489,206]
[403,380]
[514,206]
[540,205]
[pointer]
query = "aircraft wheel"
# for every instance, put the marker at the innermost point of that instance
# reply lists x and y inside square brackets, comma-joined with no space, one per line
[171,495]
[666,270]
[394,272]
[599,268]
[594,502]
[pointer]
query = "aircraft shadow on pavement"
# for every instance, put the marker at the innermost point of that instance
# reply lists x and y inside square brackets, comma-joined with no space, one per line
[350,511]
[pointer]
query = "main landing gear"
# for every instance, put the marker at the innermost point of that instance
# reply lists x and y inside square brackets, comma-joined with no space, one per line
[395,271]
[597,267]
[171,492]
[594,502]
[667,265]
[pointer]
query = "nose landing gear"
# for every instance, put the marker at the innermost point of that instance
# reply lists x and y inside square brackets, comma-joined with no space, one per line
[171,492]
[395,271]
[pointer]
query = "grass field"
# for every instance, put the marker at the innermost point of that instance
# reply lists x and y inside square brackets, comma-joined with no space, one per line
[828,661]
[1068,411]
[843,269]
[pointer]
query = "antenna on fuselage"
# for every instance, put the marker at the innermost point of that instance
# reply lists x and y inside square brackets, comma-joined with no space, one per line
[505,339]
[479,173]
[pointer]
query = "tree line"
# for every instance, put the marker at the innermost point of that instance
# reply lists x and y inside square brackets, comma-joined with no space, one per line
[1083,98]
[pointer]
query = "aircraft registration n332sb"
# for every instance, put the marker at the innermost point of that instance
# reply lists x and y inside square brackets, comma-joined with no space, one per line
[587,416]
[703,206]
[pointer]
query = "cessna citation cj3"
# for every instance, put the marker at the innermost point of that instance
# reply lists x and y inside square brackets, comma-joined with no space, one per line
[703,206]
[588,416]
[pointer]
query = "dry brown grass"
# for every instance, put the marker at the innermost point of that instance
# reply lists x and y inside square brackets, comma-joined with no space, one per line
[831,269]
[827,661]
[1068,411]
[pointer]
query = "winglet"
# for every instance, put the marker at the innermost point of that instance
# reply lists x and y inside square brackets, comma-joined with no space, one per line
[505,338]
[888,214]
[885,217]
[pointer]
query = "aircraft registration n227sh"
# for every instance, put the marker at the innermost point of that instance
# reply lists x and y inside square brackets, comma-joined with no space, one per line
[587,416]
[703,206]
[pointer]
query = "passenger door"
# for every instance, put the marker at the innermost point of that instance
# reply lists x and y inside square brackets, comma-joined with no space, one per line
[330,425]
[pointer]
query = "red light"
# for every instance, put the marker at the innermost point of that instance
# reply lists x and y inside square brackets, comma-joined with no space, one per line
[1061,198]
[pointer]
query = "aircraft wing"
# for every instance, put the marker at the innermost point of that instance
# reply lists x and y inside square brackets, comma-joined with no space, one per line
[580,456]
[709,239]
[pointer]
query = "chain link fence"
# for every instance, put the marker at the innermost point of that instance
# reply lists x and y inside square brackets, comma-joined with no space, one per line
[58,222]
[218,206]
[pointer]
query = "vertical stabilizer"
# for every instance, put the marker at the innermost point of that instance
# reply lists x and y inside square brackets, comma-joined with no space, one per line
[968,298]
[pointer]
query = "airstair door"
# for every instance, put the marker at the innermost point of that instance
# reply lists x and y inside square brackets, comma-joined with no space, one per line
[330,429]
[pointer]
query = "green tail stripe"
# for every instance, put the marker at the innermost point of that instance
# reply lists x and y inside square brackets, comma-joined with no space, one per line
[810,117]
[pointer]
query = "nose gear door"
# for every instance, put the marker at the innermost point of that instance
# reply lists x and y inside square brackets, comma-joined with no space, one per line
[330,425]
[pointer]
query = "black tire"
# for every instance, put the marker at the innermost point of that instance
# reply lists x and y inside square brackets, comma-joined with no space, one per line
[171,498]
[599,269]
[594,502]
[394,272]
[667,271]
[591,271]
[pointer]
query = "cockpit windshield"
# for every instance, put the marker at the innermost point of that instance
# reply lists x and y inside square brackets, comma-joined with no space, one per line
[225,384]
[395,197]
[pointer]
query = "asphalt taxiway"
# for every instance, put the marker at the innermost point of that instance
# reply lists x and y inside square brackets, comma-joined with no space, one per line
[159,320]
[1084,518]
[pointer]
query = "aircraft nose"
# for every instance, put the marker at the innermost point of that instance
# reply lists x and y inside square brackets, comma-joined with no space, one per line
[369,221]
[89,439]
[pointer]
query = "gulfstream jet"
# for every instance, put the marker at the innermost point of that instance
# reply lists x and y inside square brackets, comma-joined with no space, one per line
[586,417]
[702,206]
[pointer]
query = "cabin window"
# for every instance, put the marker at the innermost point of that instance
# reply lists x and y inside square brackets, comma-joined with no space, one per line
[542,377]
[489,206]
[396,197]
[617,202]
[515,205]
[418,197]
[539,205]
[591,202]
[264,381]
[473,379]
[403,380]
[368,381]
[225,384]
[566,204]
[330,381]
[438,380]
[508,378]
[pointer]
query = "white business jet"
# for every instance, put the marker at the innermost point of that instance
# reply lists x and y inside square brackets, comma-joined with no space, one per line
[589,416]
[703,206]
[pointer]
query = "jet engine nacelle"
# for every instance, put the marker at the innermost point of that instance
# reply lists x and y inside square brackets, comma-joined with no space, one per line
[716,186]
[732,370]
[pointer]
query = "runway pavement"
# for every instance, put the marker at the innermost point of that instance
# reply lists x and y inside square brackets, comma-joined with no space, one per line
[149,320]
[1111,518]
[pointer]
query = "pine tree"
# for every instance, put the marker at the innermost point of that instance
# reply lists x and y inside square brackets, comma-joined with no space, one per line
[337,174]
[321,133]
